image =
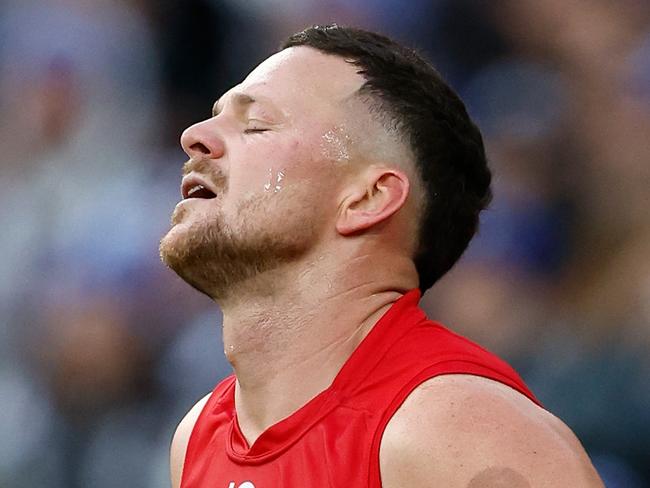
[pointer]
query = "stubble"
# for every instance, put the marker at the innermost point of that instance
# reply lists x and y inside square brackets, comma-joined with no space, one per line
[219,257]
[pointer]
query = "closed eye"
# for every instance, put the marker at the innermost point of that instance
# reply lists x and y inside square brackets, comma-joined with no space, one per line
[253,130]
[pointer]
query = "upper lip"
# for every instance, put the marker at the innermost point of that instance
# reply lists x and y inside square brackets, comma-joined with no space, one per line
[193,180]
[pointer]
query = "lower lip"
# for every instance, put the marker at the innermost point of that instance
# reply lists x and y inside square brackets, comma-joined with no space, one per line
[191,199]
[185,201]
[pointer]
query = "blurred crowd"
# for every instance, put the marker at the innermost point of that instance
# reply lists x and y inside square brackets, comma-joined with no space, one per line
[102,349]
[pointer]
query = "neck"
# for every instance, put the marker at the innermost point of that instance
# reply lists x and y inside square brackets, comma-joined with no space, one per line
[287,345]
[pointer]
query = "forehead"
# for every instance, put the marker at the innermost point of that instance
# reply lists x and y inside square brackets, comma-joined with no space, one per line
[303,80]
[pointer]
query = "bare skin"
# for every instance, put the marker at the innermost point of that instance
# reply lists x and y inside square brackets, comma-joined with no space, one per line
[303,318]
[468,431]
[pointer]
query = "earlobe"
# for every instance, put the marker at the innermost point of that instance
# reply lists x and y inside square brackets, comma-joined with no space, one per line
[379,196]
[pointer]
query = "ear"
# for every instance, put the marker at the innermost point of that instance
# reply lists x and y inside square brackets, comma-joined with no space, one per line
[378,194]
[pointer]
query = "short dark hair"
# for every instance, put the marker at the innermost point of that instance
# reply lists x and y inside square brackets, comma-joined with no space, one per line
[432,120]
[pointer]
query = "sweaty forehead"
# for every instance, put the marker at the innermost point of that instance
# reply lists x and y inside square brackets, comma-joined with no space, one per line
[302,78]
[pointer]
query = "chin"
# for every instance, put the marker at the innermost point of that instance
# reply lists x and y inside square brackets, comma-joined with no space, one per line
[171,241]
[169,247]
[189,231]
[178,252]
[217,255]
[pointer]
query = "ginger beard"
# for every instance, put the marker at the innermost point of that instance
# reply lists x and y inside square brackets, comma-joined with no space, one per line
[219,254]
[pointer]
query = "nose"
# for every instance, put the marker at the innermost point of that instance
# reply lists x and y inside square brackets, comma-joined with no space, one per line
[202,141]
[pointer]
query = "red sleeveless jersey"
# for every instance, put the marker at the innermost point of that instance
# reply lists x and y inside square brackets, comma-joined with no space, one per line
[333,440]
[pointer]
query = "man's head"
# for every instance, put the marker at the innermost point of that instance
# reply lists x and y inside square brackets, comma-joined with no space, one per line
[333,138]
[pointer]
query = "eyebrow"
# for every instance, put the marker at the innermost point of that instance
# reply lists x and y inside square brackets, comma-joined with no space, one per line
[241,99]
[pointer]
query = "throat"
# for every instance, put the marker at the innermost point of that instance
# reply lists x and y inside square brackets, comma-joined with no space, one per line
[261,408]
[273,383]
[288,347]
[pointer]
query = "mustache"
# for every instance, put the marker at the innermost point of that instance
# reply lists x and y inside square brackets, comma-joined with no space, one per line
[196,165]
[205,167]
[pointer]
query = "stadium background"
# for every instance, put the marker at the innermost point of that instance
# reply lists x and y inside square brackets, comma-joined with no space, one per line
[102,350]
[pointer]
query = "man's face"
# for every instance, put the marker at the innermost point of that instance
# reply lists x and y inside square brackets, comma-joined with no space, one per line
[273,160]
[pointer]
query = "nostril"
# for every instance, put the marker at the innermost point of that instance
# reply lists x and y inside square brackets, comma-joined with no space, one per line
[201,141]
[200,147]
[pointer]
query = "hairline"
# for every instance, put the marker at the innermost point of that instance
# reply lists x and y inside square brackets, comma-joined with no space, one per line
[382,119]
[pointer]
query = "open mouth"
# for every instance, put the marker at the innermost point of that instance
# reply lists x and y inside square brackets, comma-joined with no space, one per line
[194,186]
[199,191]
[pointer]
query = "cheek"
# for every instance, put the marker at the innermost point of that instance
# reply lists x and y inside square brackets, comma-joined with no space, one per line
[273,167]
[304,158]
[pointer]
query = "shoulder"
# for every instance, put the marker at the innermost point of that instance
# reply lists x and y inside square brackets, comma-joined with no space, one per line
[469,431]
[181,439]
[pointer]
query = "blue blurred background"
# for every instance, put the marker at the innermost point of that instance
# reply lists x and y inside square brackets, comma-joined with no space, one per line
[102,349]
